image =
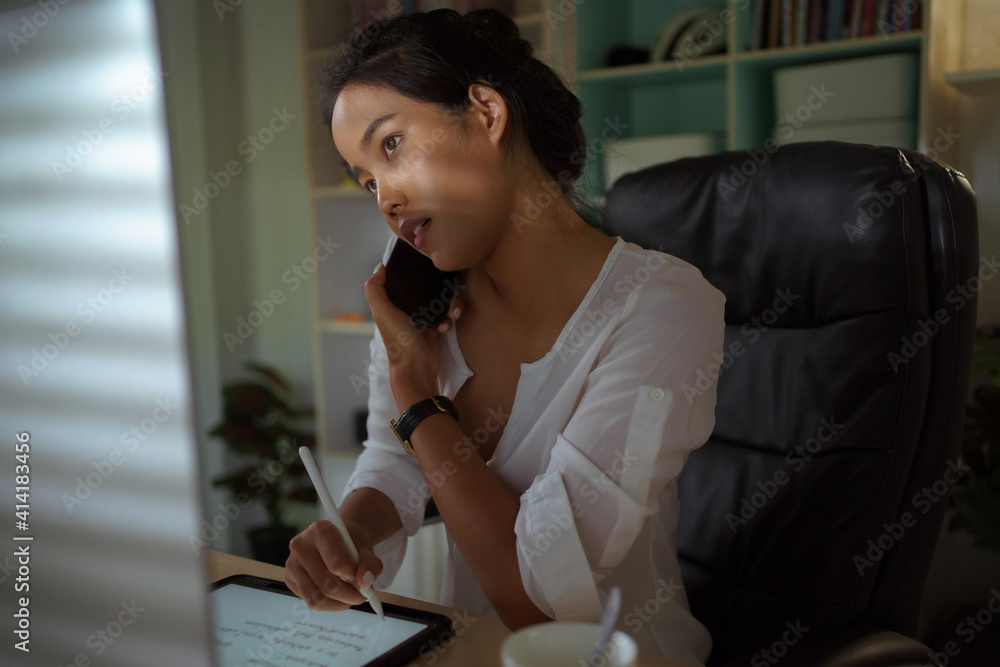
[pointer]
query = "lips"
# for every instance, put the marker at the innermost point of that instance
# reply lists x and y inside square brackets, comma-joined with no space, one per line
[412,230]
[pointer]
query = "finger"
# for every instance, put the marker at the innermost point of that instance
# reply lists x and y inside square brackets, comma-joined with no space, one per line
[369,565]
[389,319]
[379,274]
[322,556]
[340,570]
[369,569]
[455,310]
[300,583]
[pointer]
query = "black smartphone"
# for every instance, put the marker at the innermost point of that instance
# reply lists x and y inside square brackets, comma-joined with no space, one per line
[417,287]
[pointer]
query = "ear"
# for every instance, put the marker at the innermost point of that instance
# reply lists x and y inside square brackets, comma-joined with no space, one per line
[488,111]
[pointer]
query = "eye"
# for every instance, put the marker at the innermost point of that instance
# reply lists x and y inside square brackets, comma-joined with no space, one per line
[385,143]
[370,186]
[390,143]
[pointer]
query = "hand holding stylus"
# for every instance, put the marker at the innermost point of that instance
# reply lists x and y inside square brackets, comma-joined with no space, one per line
[338,522]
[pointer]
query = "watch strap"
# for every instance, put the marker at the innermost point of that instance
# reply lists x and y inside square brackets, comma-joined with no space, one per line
[416,413]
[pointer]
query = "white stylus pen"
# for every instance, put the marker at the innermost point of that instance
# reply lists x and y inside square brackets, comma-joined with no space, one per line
[331,510]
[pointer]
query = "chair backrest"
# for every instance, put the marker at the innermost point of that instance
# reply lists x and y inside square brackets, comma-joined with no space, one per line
[850,274]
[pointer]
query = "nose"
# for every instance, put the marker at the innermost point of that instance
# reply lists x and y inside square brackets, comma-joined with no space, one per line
[389,198]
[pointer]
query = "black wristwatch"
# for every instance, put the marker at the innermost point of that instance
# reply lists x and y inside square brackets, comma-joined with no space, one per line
[416,413]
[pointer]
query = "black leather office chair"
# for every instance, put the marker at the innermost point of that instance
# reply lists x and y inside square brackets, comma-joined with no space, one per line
[809,519]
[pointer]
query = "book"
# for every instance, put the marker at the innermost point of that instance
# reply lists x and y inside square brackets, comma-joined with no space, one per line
[757,40]
[834,20]
[898,15]
[882,12]
[787,22]
[857,11]
[866,21]
[815,22]
[774,24]
[801,21]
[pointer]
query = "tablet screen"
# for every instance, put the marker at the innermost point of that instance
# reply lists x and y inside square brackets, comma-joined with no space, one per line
[252,626]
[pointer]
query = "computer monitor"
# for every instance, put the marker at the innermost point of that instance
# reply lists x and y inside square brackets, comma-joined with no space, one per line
[99,476]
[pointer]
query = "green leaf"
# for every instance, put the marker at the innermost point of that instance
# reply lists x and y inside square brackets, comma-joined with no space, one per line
[270,373]
[249,401]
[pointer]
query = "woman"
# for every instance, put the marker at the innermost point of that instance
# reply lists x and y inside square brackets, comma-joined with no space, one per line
[553,454]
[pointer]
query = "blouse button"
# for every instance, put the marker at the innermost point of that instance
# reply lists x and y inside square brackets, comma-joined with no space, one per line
[657,394]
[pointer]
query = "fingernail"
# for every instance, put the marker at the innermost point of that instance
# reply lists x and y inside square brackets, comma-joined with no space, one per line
[377,267]
[368,578]
[458,312]
[445,326]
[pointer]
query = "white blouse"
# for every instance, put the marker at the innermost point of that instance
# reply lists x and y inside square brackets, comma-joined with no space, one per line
[600,428]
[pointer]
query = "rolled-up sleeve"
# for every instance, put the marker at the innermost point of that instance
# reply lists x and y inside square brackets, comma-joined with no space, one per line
[384,466]
[639,415]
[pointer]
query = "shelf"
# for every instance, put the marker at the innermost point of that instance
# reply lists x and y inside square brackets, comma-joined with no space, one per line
[976,82]
[347,328]
[841,48]
[707,67]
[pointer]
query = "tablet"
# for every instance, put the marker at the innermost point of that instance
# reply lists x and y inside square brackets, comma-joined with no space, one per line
[258,621]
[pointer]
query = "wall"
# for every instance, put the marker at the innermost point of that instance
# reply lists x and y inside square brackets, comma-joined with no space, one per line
[234,94]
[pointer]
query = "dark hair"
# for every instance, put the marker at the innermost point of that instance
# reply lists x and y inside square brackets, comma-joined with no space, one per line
[435,56]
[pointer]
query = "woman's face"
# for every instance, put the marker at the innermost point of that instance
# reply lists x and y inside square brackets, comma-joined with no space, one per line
[423,164]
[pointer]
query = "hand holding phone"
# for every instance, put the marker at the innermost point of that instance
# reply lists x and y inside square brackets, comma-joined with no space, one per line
[417,287]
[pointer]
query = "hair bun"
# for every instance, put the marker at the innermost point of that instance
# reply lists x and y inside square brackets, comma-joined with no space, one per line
[490,24]
[493,27]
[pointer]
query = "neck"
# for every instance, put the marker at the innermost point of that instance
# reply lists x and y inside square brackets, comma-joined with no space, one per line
[544,263]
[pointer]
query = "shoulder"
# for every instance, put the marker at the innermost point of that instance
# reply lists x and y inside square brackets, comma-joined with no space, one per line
[660,286]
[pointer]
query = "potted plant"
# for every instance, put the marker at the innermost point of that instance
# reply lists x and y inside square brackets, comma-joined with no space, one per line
[261,421]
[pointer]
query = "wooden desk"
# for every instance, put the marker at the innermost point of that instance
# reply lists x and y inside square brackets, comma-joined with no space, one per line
[477,638]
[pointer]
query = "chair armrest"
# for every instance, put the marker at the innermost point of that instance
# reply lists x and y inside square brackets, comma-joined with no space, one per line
[852,646]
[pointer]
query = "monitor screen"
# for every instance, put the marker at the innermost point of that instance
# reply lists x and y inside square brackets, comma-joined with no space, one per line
[98,467]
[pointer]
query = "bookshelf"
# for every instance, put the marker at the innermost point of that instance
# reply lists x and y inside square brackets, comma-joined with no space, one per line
[728,94]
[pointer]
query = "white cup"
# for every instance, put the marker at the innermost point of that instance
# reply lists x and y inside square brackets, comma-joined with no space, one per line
[566,644]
